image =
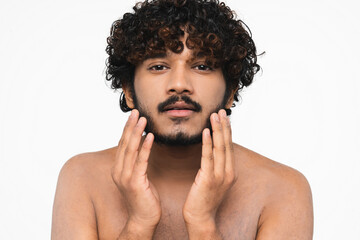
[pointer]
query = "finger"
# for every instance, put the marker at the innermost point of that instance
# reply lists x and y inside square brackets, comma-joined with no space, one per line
[219,145]
[132,149]
[207,157]
[225,122]
[141,163]
[130,124]
[128,128]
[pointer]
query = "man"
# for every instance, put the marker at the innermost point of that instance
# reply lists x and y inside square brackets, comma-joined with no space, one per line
[180,65]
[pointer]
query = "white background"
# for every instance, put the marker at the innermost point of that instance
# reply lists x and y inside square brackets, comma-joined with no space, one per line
[302,111]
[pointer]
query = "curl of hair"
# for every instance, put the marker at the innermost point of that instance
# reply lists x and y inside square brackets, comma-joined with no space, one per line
[156,26]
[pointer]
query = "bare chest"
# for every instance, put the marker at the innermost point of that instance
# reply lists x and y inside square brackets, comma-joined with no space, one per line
[237,217]
[233,223]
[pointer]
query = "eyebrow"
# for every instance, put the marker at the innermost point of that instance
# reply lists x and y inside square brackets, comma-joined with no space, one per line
[157,55]
[199,55]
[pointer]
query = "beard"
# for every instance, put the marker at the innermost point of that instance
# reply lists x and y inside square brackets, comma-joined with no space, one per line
[180,138]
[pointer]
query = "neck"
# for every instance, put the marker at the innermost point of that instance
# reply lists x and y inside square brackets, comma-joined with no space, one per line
[174,162]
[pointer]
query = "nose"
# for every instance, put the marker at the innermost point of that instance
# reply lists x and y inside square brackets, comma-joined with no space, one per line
[180,81]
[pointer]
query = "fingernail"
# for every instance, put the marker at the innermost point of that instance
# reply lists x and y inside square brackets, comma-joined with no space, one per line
[217,118]
[207,132]
[141,121]
[147,138]
[223,113]
[131,114]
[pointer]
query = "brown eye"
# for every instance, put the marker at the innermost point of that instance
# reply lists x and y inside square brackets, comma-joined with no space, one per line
[203,67]
[157,68]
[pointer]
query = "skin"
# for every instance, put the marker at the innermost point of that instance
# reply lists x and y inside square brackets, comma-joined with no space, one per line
[212,190]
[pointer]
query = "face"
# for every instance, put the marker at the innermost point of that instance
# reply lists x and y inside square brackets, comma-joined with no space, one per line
[177,95]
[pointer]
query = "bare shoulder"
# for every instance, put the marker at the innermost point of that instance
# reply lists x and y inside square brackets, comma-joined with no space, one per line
[287,206]
[73,209]
[85,169]
[279,175]
[86,163]
[90,170]
[89,160]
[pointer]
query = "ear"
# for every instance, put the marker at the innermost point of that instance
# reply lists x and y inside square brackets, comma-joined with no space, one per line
[128,97]
[231,99]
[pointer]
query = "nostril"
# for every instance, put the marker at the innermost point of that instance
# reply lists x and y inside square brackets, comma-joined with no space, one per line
[179,91]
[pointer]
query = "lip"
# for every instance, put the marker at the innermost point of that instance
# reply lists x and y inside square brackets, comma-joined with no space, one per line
[179,109]
[179,106]
[179,112]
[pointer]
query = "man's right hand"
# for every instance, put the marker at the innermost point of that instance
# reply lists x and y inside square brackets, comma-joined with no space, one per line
[129,175]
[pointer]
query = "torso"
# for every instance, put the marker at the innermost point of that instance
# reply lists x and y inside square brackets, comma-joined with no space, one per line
[237,217]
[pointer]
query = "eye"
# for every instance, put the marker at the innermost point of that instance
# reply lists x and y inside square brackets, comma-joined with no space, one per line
[157,68]
[203,67]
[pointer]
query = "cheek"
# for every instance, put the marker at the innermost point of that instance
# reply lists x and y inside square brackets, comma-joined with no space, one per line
[147,94]
[212,93]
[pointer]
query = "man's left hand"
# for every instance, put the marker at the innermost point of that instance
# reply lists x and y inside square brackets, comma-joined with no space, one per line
[214,178]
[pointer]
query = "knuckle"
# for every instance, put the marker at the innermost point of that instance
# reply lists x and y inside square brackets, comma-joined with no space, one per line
[211,183]
[115,177]
[130,149]
[230,179]
[138,128]
[132,186]
[220,147]
[207,156]
[209,179]
[123,142]
[219,179]
[124,180]
[127,151]
[115,174]
[146,147]
[230,146]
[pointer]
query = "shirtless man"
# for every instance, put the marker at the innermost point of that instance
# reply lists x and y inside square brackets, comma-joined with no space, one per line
[180,65]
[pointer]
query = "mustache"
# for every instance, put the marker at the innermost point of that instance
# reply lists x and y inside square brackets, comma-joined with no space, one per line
[176,98]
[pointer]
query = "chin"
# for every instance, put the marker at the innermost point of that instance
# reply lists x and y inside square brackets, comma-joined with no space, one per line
[178,134]
[179,139]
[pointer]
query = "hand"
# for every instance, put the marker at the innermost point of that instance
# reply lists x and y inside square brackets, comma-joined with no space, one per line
[129,175]
[216,174]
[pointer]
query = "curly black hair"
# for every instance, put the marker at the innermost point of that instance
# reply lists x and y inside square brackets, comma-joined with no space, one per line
[157,25]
